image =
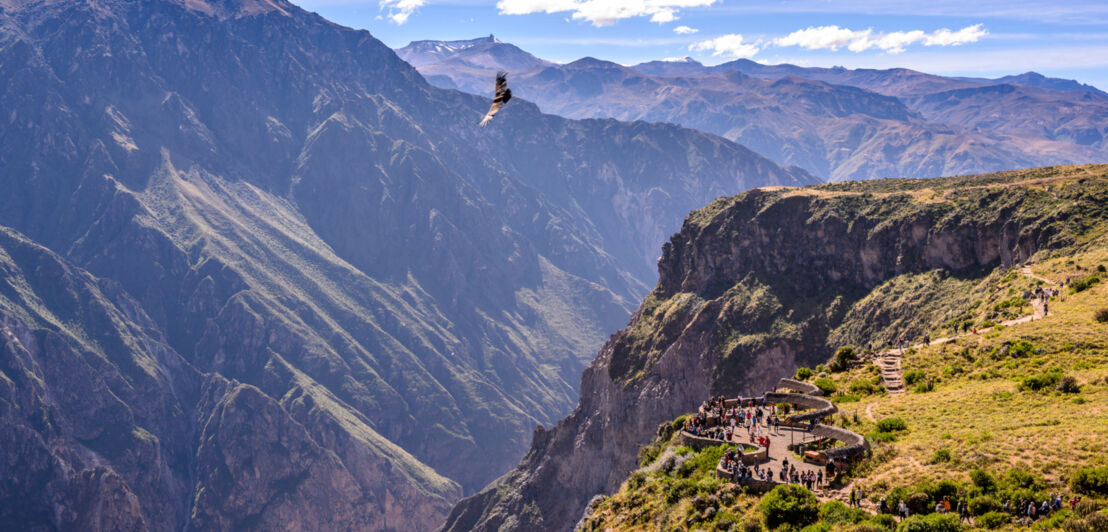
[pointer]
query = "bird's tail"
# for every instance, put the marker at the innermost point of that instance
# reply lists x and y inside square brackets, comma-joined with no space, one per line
[485,121]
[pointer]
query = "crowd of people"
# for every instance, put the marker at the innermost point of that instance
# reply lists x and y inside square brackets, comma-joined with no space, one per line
[1024,509]
[758,418]
[788,474]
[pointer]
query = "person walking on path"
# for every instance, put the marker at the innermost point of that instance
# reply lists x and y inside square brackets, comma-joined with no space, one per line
[902,508]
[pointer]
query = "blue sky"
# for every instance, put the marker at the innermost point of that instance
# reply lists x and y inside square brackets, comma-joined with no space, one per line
[990,38]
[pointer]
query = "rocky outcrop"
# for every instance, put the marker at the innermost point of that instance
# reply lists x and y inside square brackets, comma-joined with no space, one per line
[750,289]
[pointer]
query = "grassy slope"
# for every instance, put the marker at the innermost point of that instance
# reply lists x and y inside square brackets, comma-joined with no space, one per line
[976,410]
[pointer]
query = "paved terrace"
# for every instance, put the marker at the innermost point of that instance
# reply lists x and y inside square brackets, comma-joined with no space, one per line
[796,428]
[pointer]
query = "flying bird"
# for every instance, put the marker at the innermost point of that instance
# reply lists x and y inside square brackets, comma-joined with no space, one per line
[503,94]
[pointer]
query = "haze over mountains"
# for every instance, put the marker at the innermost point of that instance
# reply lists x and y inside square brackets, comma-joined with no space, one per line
[258,273]
[834,122]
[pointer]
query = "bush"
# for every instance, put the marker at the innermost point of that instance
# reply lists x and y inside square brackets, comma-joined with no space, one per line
[1021,349]
[864,387]
[878,436]
[679,422]
[925,386]
[992,520]
[930,523]
[833,512]
[1090,481]
[941,455]
[882,521]
[983,504]
[843,356]
[818,527]
[913,376]
[803,374]
[1101,315]
[789,504]
[827,386]
[1100,268]
[1042,381]
[1068,384]
[918,503]
[1084,284]
[846,398]
[891,424]
[983,480]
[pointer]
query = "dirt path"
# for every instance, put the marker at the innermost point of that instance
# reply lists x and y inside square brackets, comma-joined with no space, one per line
[889,361]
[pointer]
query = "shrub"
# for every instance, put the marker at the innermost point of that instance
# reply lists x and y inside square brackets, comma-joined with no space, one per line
[983,504]
[941,455]
[891,424]
[983,480]
[833,512]
[818,527]
[882,521]
[1042,381]
[1090,480]
[827,386]
[789,504]
[803,374]
[843,356]
[992,520]
[918,503]
[878,436]
[1021,348]
[679,422]
[1068,384]
[913,376]
[1100,268]
[846,398]
[864,387]
[930,523]
[925,386]
[1022,478]
[871,527]
[1084,284]
[1101,315]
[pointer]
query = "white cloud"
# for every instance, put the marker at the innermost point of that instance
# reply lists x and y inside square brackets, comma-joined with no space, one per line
[945,37]
[684,30]
[400,10]
[731,46]
[833,37]
[601,12]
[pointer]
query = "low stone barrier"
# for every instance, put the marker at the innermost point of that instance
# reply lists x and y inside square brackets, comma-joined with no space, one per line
[799,386]
[818,406]
[751,454]
[855,443]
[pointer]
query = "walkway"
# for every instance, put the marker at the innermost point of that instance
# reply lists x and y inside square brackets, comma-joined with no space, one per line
[889,361]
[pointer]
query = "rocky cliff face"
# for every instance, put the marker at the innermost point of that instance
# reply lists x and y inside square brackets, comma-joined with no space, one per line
[333,301]
[754,286]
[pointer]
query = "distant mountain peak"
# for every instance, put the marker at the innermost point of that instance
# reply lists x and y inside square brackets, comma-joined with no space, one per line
[685,59]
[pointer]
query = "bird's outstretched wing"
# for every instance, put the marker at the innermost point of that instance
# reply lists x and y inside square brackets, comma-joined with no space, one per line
[503,94]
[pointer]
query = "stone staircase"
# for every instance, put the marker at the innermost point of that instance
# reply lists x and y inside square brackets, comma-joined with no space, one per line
[891,375]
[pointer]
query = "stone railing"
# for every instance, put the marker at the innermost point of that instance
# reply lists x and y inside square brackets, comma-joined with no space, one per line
[855,443]
[816,407]
[799,386]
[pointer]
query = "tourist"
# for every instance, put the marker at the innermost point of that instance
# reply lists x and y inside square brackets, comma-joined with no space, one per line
[853,499]
[902,508]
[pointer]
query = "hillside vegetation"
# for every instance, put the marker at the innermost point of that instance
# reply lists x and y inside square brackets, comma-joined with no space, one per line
[991,413]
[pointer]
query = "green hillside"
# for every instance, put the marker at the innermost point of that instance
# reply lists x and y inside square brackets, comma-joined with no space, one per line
[1006,404]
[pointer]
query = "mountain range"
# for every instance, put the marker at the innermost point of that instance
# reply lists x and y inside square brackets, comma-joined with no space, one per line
[259,274]
[836,123]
